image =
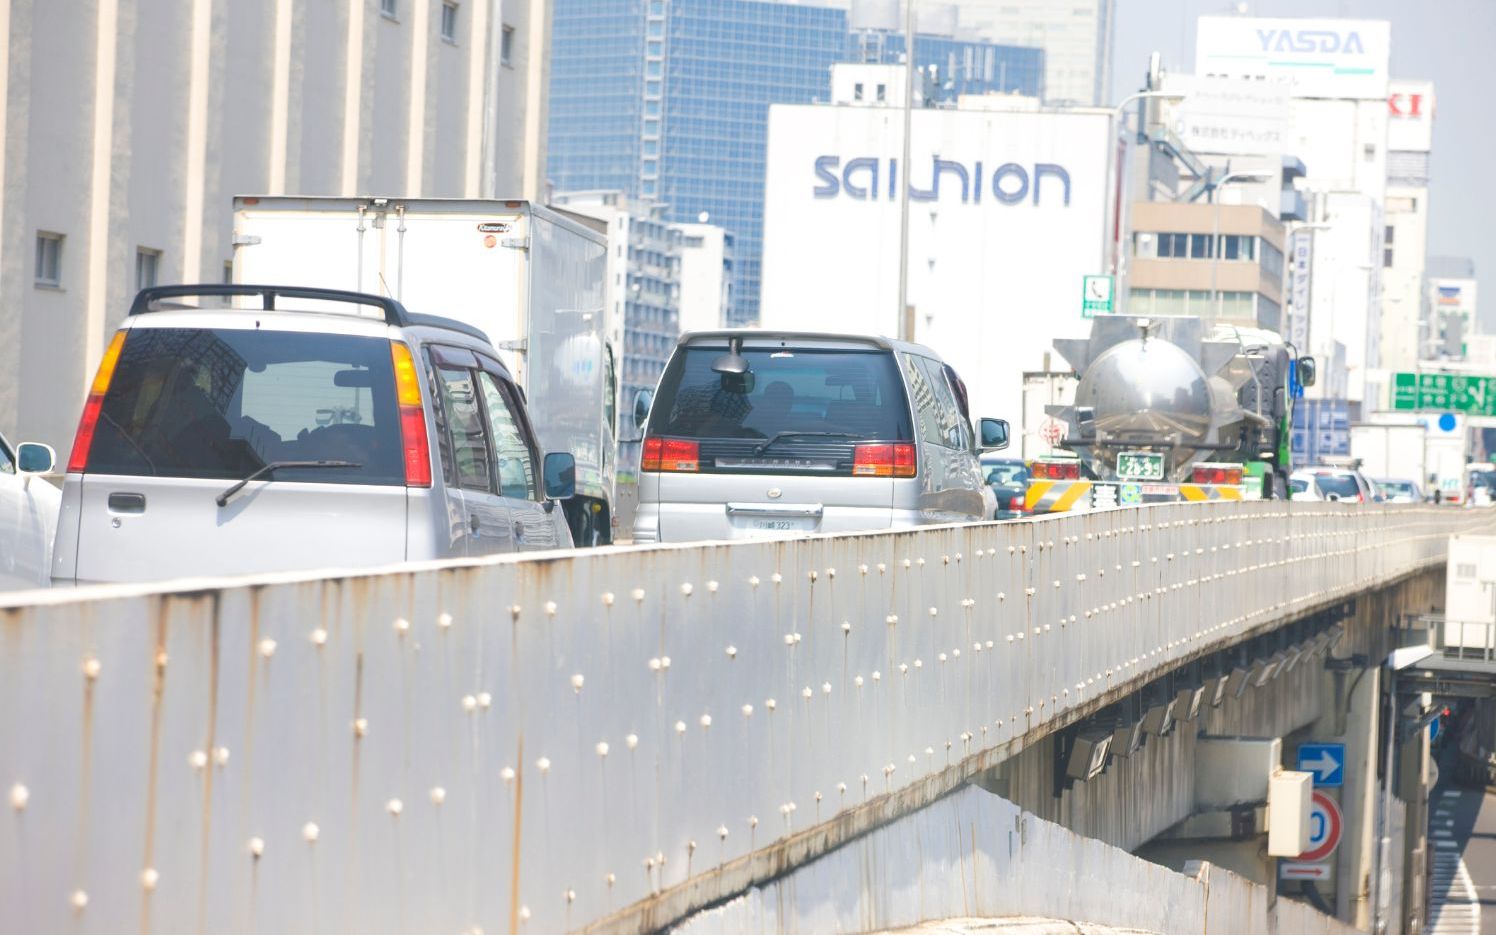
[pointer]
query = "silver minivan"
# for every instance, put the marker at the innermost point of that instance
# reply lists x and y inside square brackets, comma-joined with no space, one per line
[754,433]
[237,429]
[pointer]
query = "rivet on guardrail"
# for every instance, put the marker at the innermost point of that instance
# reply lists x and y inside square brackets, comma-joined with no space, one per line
[877,676]
[149,878]
[310,832]
[484,699]
[576,683]
[732,652]
[319,637]
[198,759]
[903,668]
[524,913]
[680,727]
[753,581]
[846,626]
[831,573]
[469,703]
[402,626]
[813,576]
[507,774]
[711,587]
[267,647]
[394,807]
[543,764]
[221,757]
[78,900]
[256,848]
[360,727]
[891,619]
[608,598]
[942,657]
[19,796]
[934,611]
[637,594]
[438,795]
[91,668]
[444,621]
[705,721]
[550,608]
[862,569]
[571,896]
[825,688]
[776,577]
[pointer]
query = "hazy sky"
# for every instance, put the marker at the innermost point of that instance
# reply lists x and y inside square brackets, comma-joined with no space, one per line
[1451,42]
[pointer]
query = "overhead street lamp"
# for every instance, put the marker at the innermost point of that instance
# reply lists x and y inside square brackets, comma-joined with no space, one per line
[1114,238]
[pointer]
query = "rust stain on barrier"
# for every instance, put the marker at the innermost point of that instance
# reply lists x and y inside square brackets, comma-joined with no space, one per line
[209,744]
[514,854]
[158,688]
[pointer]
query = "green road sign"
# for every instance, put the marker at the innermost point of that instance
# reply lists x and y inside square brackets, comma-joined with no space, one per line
[1097,296]
[1452,392]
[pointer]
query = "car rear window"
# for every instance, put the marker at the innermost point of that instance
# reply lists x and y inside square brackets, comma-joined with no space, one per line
[1396,488]
[1341,485]
[207,403]
[1007,474]
[855,392]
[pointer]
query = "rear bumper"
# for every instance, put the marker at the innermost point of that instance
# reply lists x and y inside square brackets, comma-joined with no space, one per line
[693,522]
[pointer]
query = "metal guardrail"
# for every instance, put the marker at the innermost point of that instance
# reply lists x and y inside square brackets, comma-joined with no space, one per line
[556,742]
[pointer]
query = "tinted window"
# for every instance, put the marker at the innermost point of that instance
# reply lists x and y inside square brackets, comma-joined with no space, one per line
[1007,474]
[1485,479]
[465,425]
[188,402]
[940,419]
[1298,486]
[1396,488]
[1341,485]
[516,461]
[854,392]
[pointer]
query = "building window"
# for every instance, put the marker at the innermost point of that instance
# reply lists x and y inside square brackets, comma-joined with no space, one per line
[48,259]
[1386,256]
[1272,260]
[1238,247]
[1173,245]
[1201,246]
[857,93]
[1145,245]
[449,22]
[1387,235]
[387,8]
[506,45]
[882,92]
[228,272]
[147,262]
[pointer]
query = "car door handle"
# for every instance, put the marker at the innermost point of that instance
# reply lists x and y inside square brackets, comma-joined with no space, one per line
[473,523]
[127,502]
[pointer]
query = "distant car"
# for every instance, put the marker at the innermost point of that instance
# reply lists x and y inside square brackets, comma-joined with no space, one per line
[1337,483]
[761,433]
[239,429]
[1480,484]
[28,515]
[1400,491]
[1008,478]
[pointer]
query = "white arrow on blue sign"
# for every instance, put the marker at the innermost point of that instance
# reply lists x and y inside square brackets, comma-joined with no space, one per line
[1325,760]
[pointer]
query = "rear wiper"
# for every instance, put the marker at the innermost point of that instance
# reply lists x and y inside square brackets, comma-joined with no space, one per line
[764,445]
[224,498]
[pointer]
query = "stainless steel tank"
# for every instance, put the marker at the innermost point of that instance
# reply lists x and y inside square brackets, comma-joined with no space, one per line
[1147,389]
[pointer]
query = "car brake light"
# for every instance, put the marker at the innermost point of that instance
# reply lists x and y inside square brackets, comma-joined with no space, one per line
[1016,503]
[413,440]
[675,455]
[884,459]
[83,440]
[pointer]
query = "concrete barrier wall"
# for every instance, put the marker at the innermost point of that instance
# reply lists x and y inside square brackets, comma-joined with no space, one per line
[607,738]
[975,855]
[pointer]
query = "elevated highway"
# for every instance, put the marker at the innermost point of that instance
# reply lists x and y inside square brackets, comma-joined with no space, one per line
[610,740]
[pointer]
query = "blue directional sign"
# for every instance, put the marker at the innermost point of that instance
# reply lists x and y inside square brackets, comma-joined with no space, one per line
[1325,760]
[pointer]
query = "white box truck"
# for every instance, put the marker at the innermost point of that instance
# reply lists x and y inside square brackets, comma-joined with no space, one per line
[531,278]
[1391,451]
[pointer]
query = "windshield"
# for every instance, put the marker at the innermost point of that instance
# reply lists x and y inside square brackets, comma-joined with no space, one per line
[1298,485]
[1485,479]
[1397,488]
[854,393]
[189,402]
[1341,485]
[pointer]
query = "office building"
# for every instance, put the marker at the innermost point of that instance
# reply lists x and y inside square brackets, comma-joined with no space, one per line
[669,101]
[1075,36]
[129,127]
[1405,322]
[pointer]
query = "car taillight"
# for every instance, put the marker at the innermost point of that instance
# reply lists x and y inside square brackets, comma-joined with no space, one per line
[676,455]
[1016,503]
[83,440]
[1057,470]
[413,440]
[1216,474]
[893,459]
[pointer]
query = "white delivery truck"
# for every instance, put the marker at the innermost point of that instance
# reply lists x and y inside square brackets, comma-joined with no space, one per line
[1391,451]
[531,278]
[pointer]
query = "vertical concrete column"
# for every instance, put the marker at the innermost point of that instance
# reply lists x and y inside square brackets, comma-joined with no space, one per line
[196,146]
[106,40]
[415,126]
[353,98]
[1413,789]
[280,100]
[1351,717]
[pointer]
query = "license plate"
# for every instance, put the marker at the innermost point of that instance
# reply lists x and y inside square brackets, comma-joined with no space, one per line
[1140,465]
[777,525]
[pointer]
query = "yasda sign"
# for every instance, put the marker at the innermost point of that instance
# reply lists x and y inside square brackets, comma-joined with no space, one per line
[869,178]
[1324,41]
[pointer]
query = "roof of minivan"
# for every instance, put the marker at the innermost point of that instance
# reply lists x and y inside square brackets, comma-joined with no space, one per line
[772,334]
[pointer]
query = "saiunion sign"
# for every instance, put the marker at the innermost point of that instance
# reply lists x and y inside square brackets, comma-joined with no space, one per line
[1457,392]
[1008,183]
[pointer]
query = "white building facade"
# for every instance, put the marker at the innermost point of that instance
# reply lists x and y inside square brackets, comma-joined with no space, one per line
[129,127]
[1009,210]
[1337,71]
[1410,130]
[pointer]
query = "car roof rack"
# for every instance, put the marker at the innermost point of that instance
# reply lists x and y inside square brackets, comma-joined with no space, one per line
[394,312]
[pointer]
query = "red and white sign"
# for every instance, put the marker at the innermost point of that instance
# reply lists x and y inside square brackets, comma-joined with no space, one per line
[1325,825]
[1051,432]
[1297,871]
[1410,116]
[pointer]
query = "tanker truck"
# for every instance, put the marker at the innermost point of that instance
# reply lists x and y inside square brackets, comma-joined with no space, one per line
[1172,408]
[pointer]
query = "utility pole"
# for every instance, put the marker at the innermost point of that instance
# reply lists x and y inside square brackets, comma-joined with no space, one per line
[902,173]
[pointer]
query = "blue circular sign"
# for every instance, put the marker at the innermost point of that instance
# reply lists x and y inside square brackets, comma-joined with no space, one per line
[1446,422]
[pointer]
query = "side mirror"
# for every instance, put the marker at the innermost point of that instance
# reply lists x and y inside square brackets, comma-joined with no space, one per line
[642,401]
[1306,371]
[994,434]
[560,470]
[35,458]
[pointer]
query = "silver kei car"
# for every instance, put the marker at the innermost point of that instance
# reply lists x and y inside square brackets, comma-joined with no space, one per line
[238,429]
[754,433]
